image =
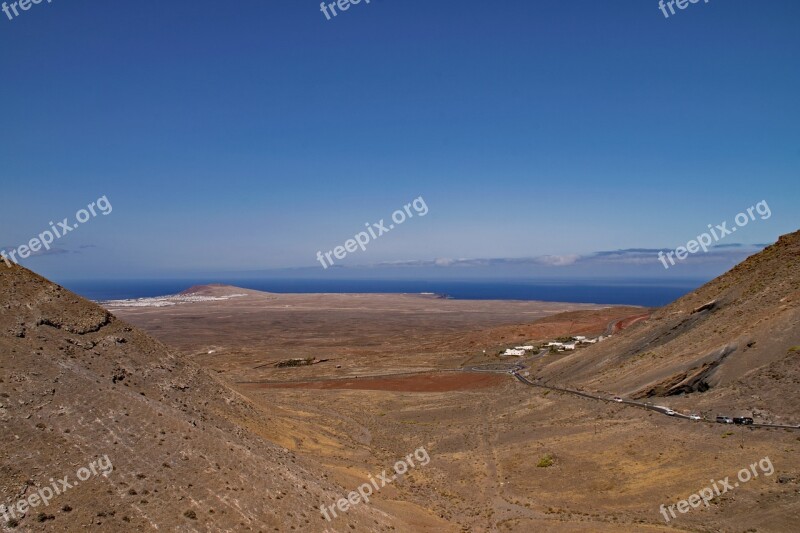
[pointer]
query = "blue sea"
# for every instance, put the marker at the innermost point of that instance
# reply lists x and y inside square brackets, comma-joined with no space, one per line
[649,293]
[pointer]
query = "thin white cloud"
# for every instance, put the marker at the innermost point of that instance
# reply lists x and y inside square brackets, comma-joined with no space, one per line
[557,260]
[630,256]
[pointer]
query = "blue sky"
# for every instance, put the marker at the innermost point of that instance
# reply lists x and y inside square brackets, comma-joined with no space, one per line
[247,136]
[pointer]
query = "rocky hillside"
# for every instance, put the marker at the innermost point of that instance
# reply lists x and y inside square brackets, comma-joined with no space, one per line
[80,391]
[733,342]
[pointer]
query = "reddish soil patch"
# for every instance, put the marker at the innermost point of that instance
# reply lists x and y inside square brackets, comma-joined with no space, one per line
[590,323]
[432,382]
[628,322]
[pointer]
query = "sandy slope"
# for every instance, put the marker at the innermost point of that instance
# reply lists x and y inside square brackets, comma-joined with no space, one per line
[78,384]
[735,342]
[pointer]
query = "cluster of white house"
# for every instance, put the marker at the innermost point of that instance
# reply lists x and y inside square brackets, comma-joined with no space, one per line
[560,346]
[519,350]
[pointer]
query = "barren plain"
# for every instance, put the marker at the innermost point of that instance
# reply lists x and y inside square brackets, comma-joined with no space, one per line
[386,378]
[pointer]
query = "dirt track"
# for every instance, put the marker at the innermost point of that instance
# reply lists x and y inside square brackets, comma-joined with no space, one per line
[429,382]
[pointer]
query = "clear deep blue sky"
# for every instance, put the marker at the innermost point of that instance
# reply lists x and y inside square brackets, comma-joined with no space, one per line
[248,135]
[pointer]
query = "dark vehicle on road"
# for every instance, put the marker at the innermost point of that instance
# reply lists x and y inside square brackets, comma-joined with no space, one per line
[725,420]
[743,420]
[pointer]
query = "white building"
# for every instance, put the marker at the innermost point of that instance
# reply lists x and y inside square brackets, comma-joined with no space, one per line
[569,346]
[579,338]
[509,351]
[523,348]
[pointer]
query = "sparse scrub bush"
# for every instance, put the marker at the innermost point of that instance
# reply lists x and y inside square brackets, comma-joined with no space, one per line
[545,462]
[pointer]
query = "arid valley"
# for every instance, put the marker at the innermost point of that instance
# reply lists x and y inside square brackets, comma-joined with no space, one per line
[254,411]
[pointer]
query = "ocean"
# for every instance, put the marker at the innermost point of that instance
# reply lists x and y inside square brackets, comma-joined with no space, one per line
[649,293]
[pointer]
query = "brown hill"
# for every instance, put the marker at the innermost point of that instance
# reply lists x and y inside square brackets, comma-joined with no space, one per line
[79,386]
[218,290]
[735,342]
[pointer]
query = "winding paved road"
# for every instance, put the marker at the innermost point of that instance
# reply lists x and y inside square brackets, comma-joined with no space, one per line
[514,369]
